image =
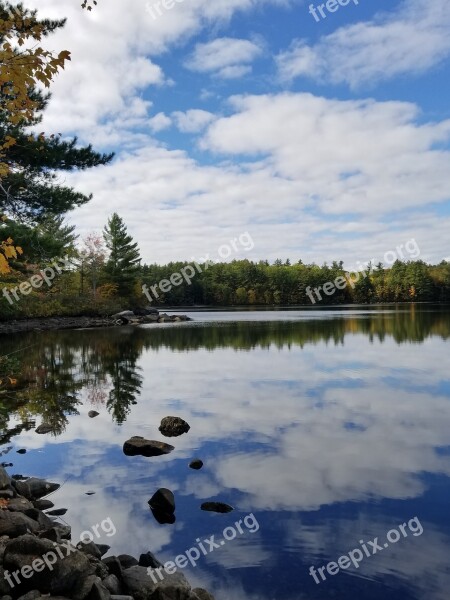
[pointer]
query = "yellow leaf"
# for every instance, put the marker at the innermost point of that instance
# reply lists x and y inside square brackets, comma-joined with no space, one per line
[19,250]
[10,252]
[4,267]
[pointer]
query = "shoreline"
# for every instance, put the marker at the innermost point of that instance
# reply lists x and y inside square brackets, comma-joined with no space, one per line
[37,556]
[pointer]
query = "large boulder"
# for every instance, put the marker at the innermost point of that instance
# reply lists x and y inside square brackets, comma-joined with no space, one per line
[124,314]
[138,446]
[33,488]
[69,575]
[141,586]
[173,426]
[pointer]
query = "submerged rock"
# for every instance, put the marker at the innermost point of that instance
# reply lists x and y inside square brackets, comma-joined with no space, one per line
[92,414]
[162,504]
[163,500]
[196,464]
[219,507]
[138,446]
[173,426]
[44,428]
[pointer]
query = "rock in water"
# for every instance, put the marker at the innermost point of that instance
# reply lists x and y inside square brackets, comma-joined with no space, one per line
[173,426]
[33,489]
[92,414]
[58,512]
[138,446]
[218,507]
[21,451]
[44,428]
[163,500]
[196,464]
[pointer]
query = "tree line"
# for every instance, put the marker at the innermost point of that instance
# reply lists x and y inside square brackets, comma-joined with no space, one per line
[106,272]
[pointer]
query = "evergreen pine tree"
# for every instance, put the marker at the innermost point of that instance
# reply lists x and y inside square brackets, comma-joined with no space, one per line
[122,266]
[29,188]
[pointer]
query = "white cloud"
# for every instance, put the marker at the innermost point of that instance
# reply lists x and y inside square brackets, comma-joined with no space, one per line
[294,163]
[192,121]
[410,41]
[160,122]
[225,57]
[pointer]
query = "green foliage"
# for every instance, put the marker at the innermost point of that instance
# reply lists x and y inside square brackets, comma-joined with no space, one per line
[122,267]
[243,282]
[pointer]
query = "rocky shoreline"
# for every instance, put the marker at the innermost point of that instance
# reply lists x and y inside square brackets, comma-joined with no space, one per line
[28,534]
[137,317]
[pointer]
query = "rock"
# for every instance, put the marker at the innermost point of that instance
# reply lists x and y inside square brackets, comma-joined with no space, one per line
[7,494]
[33,488]
[68,576]
[90,493]
[149,560]
[163,500]
[21,451]
[43,504]
[44,428]
[112,584]
[151,310]
[103,548]
[218,507]
[5,480]
[101,570]
[58,512]
[163,518]
[201,594]
[89,548]
[99,591]
[122,598]
[53,534]
[150,319]
[5,464]
[127,561]
[196,464]
[57,533]
[30,595]
[142,587]
[40,518]
[15,524]
[173,426]
[114,566]
[137,446]
[20,505]
[124,314]
[92,414]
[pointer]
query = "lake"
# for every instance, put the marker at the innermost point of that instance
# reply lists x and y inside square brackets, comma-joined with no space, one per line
[328,431]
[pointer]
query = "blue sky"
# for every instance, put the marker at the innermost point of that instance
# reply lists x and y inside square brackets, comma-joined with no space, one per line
[323,139]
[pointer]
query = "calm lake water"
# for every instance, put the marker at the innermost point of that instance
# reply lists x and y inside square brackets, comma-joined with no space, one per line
[331,427]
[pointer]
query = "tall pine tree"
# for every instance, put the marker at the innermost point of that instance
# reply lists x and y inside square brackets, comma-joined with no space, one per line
[29,186]
[124,259]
